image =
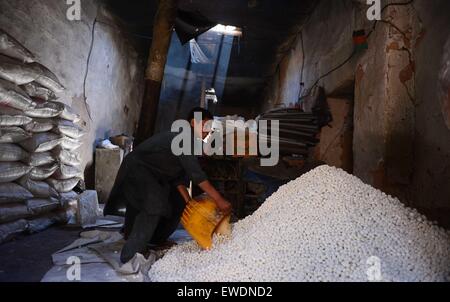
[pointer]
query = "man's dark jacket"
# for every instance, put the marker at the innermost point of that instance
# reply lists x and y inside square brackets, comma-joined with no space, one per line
[147,175]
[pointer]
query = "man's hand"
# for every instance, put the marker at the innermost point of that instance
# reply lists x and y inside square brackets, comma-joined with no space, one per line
[224,206]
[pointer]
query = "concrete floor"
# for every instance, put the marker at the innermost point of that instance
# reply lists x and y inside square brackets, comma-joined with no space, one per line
[28,258]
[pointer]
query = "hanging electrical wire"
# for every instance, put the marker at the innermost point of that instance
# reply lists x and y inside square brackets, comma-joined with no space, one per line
[309,91]
[303,59]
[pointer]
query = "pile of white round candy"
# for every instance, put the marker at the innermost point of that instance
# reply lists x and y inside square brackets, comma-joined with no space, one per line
[325,226]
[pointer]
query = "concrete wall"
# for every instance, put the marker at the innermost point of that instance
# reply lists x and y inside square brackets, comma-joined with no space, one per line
[114,80]
[325,41]
[401,139]
[431,178]
[336,140]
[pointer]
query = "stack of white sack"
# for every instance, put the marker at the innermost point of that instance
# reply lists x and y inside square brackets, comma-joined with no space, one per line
[39,139]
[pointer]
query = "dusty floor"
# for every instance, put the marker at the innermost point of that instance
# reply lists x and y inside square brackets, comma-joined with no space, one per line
[28,258]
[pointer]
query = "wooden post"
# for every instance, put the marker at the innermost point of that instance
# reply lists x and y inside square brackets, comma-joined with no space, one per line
[203,95]
[162,34]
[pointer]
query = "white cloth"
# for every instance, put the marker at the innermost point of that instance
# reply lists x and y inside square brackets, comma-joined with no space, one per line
[197,54]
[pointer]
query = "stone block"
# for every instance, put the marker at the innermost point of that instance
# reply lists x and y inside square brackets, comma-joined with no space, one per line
[107,164]
[87,210]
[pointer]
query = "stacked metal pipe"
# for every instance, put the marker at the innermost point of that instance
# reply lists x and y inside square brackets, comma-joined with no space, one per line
[297,130]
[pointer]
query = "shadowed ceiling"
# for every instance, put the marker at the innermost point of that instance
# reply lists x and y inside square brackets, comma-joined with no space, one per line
[266,25]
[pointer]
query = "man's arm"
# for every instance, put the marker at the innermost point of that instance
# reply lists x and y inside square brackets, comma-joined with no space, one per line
[223,204]
[184,193]
[198,177]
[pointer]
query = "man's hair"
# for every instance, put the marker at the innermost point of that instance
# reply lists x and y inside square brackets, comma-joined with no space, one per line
[206,115]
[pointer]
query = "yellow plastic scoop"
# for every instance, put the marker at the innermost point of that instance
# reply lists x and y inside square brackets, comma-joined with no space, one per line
[201,219]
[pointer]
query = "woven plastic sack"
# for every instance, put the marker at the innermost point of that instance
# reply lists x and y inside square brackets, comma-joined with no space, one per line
[16,120]
[47,78]
[66,198]
[70,129]
[43,172]
[10,172]
[64,186]
[12,153]
[42,206]
[39,125]
[41,142]
[70,115]
[13,96]
[42,223]
[17,72]
[66,157]
[12,192]
[70,144]
[12,48]
[66,172]
[11,212]
[37,91]
[41,159]
[9,230]
[13,135]
[39,189]
[45,110]
[8,110]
